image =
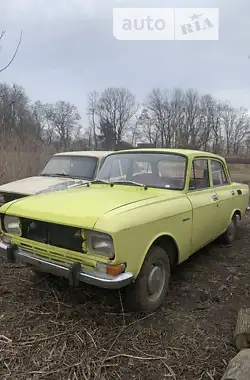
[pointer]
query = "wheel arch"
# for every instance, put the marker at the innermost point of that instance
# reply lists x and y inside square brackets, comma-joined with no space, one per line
[236,213]
[168,243]
[170,246]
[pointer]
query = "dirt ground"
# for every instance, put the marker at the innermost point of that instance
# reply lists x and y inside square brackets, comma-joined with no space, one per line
[48,331]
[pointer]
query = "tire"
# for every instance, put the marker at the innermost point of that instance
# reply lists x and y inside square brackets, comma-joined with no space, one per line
[147,293]
[230,235]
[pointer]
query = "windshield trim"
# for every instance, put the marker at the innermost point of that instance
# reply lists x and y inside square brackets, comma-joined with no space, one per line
[42,173]
[134,151]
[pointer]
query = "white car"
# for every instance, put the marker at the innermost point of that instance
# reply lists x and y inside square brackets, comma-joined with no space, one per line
[63,170]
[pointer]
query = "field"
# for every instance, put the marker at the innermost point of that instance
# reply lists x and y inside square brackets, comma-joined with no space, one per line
[240,172]
[48,331]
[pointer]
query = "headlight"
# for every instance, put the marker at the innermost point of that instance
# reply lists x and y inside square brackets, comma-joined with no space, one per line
[101,244]
[12,225]
[2,199]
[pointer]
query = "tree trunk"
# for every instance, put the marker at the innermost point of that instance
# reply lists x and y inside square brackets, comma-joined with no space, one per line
[239,367]
[241,337]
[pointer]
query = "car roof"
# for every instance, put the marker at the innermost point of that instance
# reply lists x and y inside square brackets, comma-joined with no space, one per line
[89,153]
[190,153]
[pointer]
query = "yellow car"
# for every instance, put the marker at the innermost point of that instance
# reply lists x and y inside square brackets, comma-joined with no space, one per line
[147,211]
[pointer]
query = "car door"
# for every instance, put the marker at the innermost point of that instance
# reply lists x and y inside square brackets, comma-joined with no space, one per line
[205,204]
[224,191]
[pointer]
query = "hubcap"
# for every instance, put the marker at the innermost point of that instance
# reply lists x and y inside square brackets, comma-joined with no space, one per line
[156,281]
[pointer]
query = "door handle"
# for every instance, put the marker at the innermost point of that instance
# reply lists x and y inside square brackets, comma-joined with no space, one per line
[233,192]
[214,198]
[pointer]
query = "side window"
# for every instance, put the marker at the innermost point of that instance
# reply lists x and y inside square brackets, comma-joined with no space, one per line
[199,178]
[218,174]
[141,168]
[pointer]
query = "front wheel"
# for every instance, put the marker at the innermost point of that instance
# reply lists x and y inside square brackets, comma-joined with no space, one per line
[149,290]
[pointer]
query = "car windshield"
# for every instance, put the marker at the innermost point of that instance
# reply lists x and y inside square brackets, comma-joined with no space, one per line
[161,170]
[83,167]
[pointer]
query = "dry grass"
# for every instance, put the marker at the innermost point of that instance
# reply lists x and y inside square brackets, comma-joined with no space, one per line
[240,172]
[20,160]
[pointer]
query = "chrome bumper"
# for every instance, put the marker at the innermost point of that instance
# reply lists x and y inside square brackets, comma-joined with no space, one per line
[74,273]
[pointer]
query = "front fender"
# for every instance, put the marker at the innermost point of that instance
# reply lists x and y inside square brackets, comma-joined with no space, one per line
[132,245]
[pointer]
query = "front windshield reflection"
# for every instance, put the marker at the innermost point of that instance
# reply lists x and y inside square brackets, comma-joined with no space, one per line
[161,170]
[71,166]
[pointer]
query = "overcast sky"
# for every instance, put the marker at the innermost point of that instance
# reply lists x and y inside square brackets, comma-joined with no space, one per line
[68,49]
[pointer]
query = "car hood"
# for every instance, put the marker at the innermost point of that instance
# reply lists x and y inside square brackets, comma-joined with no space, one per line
[34,185]
[79,207]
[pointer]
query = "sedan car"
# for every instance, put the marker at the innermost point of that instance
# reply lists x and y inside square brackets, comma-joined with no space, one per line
[63,170]
[129,231]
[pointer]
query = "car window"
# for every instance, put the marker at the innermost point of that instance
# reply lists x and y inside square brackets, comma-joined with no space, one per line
[161,170]
[175,169]
[142,167]
[199,178]
[218,173]
[73,166]
[117,170]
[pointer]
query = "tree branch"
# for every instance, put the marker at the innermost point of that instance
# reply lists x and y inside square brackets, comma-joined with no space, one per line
[15,53]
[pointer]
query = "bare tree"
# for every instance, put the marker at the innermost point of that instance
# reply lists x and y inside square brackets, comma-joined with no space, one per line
[116,108]
[158,110]
[14,108]
[44,123]
[80,140]
[241,128]
[2,33]
[63,117]
[136,130]
[189,127]
[92,112]
[176,115]
[145,129]
[186,119]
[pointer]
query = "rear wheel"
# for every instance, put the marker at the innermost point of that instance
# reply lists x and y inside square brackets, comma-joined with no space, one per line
[229,236]
[149,290]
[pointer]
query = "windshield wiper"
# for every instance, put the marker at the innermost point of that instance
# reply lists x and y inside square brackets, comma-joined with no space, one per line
[100,181]
[55,175]
[61,175]
[125,182]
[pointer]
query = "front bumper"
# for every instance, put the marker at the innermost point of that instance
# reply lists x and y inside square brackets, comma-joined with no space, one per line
[74,272]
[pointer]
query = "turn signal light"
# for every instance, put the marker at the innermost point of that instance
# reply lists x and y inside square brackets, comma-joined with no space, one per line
[112,270]
[115,270]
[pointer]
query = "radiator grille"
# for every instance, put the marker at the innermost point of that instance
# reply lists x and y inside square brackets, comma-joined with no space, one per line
[53,234]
